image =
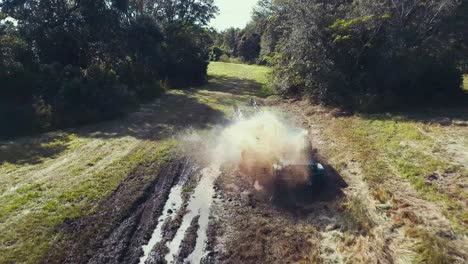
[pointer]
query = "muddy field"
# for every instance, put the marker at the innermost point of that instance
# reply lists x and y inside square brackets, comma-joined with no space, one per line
[197,212]
[194,215]
[146,190]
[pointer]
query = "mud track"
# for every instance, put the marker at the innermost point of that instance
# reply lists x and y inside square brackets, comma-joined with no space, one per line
[253,227]
[123,222]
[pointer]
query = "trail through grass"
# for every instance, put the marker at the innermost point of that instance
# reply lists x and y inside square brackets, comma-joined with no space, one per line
[49,178]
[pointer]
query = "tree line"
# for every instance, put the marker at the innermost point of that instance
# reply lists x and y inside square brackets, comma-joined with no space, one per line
[70,62]
[364,55]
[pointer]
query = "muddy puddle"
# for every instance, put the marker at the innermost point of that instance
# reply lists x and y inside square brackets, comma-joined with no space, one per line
[178,217]
[194,212]
[174,202]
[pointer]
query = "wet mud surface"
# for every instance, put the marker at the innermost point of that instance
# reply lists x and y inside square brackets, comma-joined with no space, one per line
[122,224]
[189,214]
[250,226]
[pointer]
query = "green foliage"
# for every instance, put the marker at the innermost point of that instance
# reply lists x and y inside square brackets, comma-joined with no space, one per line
[186,63]
[242,45]
[74,62]
[248,47]
[215,53]
[370,56]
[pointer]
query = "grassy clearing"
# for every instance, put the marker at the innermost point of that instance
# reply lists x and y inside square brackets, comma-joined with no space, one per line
[391,148]
[230,84]
[398,147]
[256,76]
[65,175]
[431,249]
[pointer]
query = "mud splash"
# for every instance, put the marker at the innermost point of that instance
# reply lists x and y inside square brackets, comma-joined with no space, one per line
[252,144]
[260,144]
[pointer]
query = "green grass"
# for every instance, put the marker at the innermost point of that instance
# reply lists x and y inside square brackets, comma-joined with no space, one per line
[56,176]
[252,73]
[242,71]
[30,215]
[230,84]
[431,249]
[391,146]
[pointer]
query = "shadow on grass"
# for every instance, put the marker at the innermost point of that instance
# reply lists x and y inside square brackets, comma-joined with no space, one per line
[34,150]
[164,117]
[437,115]
[236,86]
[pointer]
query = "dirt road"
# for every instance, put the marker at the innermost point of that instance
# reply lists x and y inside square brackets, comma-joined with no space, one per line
[138,190]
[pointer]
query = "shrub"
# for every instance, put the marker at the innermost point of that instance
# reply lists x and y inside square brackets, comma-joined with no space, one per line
[186,63]
[248,47]
[364,56]
[215,54]
[94,94]
[72,62]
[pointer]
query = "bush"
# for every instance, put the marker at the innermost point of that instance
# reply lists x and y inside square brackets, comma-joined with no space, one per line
[248,47]
[215,54]
[17,77]
[366,58]
[186,63]
[73,62]
[95,94]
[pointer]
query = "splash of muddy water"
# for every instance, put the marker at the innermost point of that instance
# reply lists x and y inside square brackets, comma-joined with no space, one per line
[259,144]
[254,145]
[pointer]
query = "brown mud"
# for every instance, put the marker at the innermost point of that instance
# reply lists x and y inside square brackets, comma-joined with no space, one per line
[122,224]
[244,226]
[254,227]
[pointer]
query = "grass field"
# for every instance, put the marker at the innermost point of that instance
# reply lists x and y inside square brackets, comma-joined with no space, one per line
[49,178]
[407,172]
[252,77]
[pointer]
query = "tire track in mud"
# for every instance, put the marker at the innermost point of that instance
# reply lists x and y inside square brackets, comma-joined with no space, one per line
[188,237]
[122,223]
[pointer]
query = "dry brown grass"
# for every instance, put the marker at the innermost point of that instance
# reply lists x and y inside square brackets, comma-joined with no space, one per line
[386,160]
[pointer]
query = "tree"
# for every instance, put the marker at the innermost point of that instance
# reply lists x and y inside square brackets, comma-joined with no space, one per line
[230,39]
[249,46]
[370,55]
[215,53]
[69,62]
[185,12]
